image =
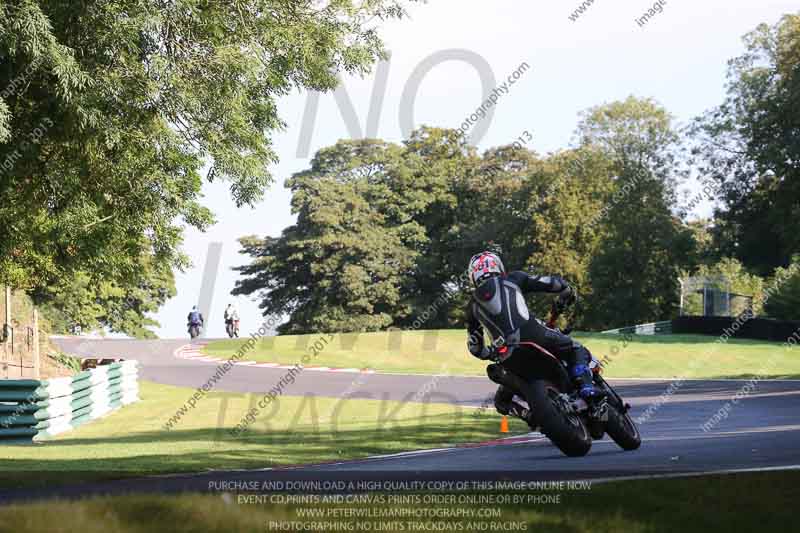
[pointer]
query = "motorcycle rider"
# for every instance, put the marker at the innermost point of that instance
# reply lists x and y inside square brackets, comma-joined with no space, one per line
[195,318]
[232,319]
[497,305]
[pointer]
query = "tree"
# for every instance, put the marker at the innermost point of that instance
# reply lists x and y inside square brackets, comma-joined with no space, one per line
[384,232]
[535,211]
[376,236]
[439,166]
[634,275]
[705,252]
[784,304]
[571,187]
[341,266]
[493,205]
[110,110]
[92,302]
[749,147]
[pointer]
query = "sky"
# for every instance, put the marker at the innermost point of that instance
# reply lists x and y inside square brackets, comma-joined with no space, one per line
[679,58]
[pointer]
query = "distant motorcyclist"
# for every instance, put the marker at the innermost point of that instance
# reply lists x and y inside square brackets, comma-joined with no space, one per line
[195,321]
[497,305]
[232,321]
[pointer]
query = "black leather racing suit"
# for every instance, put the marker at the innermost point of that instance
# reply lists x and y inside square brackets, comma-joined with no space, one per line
[498,306]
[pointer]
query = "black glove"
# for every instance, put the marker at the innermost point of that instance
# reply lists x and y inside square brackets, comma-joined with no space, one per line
[566,298]
[485,355]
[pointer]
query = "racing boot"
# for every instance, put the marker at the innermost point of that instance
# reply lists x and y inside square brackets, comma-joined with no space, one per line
[594,397]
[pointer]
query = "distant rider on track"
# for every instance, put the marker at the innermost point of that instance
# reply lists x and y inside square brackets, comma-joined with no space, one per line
[232,321]
[195,320]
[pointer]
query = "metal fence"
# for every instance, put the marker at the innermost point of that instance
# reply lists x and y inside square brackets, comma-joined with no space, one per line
[19,339]
[711,296]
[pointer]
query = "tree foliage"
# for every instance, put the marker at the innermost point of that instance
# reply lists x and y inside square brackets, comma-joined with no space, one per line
[342,265]
[383,231]
[88,301]
[634,275]
[109,112]
[784,304]
[604,214]
[749,147]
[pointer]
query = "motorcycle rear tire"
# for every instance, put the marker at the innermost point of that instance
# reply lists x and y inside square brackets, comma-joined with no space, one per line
[566,430]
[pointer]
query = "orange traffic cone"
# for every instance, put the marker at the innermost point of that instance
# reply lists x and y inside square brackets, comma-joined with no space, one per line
[504,424]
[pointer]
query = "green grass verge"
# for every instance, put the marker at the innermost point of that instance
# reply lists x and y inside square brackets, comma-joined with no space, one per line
[292,430]
[747,502]
[444,352]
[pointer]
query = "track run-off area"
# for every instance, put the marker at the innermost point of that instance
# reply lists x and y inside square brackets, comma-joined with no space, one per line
[757,426]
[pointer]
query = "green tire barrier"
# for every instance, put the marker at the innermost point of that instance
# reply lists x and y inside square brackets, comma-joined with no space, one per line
[653,328]
[33,410]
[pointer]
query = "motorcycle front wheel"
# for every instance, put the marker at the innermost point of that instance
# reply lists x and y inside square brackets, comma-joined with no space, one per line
[620,426]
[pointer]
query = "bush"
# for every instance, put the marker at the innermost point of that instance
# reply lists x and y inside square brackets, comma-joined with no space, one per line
[784,302]
[65,361]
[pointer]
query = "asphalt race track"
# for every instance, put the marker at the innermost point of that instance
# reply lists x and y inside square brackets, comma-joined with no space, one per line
[761,431]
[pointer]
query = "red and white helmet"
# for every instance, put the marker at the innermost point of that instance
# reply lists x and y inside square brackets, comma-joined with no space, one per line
[484,265]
